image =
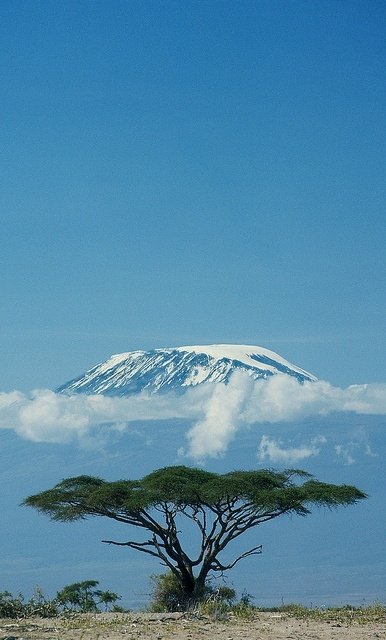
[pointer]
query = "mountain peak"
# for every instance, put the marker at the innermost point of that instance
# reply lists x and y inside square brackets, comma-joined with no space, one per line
[180,367]
[241,352]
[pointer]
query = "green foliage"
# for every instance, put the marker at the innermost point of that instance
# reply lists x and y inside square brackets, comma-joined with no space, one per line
[16,607]
[41,606]
[11,606]
[167,595]
[83,496]
[80,597]
[109,599]
[85,597]
[224,594]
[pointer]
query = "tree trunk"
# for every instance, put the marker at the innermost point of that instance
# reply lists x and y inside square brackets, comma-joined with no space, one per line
[188,585]
[193,587]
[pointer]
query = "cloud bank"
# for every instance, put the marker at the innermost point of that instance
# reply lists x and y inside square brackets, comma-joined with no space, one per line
[216,413]
[278,399]
[274,451]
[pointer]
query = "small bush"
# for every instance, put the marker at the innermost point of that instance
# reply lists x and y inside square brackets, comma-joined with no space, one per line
[40,606]
[79,597]
[85,597]
[216,601]
[15,606]
[11,606]
[166,593]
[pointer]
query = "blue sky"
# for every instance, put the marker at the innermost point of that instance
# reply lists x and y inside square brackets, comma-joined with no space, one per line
[192,172]
[189,173]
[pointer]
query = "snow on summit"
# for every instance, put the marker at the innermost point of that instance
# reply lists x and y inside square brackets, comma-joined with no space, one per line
[180,367]
[241,352]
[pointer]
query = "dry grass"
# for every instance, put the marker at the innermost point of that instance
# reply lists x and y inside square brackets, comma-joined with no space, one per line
[292,621]
[346,615]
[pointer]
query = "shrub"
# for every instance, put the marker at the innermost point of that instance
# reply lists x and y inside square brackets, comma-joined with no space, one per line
[81,597]
[15,606]
[85,597]
[11,606]
[168,595]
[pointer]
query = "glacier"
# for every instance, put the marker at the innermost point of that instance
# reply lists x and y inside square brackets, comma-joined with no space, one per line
[178,368]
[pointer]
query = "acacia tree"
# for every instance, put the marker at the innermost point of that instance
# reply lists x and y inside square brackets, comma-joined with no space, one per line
[222,508]
[85,596]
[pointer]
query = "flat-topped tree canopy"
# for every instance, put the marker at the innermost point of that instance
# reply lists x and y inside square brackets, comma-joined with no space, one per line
[222,506]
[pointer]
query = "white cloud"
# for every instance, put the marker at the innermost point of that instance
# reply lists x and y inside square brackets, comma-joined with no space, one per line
[358,443]
[216,412]
[274,451]
[280,398]
[45,416]
[345,452]
[211,435]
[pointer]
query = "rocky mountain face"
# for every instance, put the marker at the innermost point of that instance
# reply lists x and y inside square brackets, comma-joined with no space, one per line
[180,367]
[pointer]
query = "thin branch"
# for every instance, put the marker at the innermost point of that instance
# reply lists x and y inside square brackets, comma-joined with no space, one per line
[218,566]
[138,546]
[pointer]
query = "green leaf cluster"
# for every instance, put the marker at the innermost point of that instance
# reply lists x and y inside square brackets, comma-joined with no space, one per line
[265,489]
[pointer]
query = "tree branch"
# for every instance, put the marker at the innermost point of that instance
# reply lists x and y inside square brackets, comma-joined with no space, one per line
[218,566]
[138,546]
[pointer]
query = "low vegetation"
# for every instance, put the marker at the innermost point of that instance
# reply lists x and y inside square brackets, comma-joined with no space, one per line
[168,595]
[375,613]
[80,597]
[218,603]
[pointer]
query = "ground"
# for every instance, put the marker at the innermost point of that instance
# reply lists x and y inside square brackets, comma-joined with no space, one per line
[131,626]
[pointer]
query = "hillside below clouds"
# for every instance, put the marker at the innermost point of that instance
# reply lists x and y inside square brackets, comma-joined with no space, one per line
[179,368]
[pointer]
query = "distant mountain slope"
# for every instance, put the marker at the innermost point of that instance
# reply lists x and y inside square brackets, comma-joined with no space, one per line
[179,368]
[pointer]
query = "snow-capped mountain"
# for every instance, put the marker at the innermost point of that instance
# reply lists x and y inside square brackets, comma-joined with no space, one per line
[180,367]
